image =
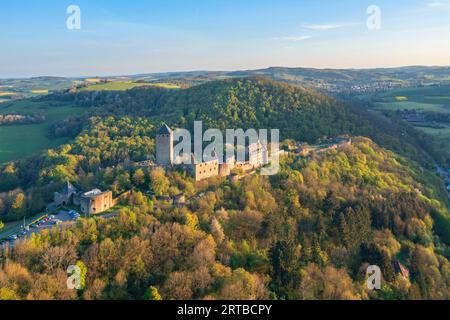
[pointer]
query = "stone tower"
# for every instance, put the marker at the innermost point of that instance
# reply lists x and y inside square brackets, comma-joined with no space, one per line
[164,146]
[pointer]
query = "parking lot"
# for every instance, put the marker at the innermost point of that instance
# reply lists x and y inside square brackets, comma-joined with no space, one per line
[61,217]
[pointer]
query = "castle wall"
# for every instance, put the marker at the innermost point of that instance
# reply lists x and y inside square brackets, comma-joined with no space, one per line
[164,149]
[258,155]
[244,166]
[225,169]
[60,199]
[97,204]
[205,170]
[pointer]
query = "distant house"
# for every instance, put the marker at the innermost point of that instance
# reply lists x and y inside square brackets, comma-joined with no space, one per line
[96,201]
[303,150]
[179,200]
[65,196]
[401,269]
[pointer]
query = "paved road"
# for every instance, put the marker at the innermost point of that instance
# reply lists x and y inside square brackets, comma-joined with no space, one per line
[17,228]
[61,215]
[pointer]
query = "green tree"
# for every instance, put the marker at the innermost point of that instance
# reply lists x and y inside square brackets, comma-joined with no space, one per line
[152,294]
[159,183]
[318,255]
[344,230]
[139,177]
[80,264]
[284,257]
[18,206]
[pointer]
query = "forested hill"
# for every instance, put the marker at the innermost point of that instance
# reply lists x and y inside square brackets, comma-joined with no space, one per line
[240,103]
[308,232]
[300,114]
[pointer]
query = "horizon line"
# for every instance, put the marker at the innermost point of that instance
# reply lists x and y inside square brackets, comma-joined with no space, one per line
[220,70]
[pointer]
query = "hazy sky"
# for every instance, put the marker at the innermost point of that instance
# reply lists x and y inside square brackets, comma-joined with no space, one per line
[140,36]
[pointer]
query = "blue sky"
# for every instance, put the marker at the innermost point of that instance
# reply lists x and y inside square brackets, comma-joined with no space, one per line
[126,37]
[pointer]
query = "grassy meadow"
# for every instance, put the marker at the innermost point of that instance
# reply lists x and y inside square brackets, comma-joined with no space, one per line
[431,99]
[412,105]
[120,86]
[17,141]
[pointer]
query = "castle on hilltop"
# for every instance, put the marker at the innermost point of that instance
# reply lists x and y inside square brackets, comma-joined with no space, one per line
[91,202]
[256,157]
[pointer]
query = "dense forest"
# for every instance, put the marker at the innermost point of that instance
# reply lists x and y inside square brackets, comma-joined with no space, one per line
[243,103]
[308,232]
[302,114]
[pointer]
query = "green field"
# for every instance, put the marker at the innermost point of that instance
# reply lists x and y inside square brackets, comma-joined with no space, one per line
[432,98]
[120,86]
[17,141]
[412,105]
[443,133]
[442,136]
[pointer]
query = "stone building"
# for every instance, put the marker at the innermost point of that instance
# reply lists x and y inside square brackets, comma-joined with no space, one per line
[164,146]
[256,156]
[179,200]
[401,270]
[343,142]
[204,170]
[96,201]
[65,196]
[303,150]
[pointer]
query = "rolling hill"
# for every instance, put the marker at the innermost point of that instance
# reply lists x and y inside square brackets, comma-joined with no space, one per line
[319,222]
